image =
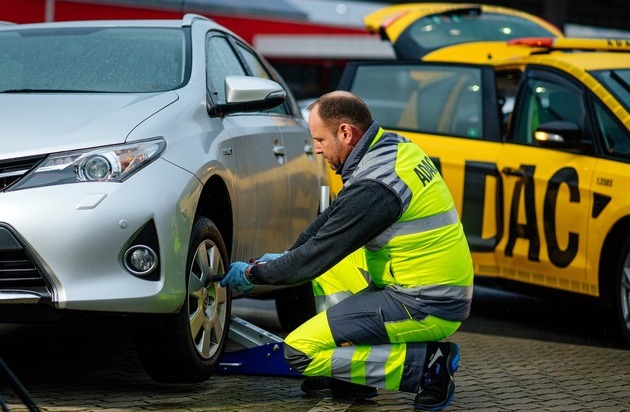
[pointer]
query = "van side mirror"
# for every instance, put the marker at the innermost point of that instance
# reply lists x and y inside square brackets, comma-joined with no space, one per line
[561,135]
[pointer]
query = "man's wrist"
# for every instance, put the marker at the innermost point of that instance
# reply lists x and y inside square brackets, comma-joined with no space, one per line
[249,277]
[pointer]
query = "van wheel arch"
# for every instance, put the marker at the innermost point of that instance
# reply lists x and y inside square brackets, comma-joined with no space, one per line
[614,277]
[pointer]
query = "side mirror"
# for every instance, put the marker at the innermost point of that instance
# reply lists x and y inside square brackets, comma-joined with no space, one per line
[246,94]
[561,135]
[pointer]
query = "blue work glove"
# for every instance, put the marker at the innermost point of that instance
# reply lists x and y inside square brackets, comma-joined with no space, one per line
[236,279]
[269,256]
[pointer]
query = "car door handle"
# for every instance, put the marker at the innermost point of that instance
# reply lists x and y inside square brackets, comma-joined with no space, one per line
[513,172]
[308,149]
[279,151]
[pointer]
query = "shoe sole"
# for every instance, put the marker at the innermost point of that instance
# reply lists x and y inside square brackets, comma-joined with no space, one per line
[440,406]
[338,394]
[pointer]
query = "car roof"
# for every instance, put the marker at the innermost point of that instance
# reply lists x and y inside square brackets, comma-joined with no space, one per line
[186,20]
[391,21]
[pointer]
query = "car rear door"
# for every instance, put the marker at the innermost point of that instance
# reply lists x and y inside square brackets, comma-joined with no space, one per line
[451,111]
[305,170]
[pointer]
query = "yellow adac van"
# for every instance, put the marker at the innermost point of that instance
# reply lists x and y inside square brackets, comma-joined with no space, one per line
[531,132]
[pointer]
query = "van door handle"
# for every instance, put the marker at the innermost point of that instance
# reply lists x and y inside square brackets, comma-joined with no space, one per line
[513,172]
[308,149]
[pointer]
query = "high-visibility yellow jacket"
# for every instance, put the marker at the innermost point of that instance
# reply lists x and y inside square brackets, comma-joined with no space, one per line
[424,255]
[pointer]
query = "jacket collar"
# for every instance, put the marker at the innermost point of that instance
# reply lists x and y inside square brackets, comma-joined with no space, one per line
[349,166]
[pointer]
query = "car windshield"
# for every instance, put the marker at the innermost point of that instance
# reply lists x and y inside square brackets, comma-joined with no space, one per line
[617,82]
[92,59]
[446,29]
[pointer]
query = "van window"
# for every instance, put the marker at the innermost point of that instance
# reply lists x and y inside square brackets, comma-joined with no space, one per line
[426,99]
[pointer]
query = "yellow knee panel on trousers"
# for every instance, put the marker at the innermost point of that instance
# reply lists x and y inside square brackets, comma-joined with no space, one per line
[346,278]
[312,338]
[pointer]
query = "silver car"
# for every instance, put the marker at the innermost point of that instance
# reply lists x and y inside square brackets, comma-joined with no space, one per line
[137,159]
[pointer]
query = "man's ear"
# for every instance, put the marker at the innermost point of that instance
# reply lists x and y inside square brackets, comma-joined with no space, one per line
[346,132]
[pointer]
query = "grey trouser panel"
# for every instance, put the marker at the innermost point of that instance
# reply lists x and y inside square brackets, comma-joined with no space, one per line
[358,324]
[360,319]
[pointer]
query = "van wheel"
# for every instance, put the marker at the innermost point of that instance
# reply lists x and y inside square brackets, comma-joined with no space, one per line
[187,347]
[621,292]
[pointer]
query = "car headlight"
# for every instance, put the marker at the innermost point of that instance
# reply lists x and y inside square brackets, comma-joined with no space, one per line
[101,164]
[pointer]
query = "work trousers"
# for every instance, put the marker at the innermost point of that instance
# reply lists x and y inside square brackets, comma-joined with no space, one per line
[369,338]
[346,278]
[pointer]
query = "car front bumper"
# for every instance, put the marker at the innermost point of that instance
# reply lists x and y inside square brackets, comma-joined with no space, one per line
[75,235]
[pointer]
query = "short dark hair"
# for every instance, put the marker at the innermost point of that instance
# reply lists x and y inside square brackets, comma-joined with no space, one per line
[339,107]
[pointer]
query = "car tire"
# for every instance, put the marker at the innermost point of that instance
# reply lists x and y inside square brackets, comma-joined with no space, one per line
[295,306]
[621,292]
[187,347]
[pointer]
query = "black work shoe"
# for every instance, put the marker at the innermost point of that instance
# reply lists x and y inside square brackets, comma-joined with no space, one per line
[438,386]
[326,387]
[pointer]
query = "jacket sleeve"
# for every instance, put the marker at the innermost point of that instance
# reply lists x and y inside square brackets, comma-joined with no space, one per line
[312,229]
[361,212]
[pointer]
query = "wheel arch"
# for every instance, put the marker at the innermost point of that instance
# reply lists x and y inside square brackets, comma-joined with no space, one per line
[609,258]
[216,205]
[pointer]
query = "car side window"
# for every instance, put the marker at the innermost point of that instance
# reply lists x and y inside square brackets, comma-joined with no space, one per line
[542,101]
[616,141]
[221,61]
[255,65]
[445,100]
[258,69]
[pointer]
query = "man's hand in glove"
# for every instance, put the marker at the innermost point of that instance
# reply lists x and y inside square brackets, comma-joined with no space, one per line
[236,278]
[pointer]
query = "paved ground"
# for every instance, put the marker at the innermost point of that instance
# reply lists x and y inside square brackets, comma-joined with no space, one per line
[97,370]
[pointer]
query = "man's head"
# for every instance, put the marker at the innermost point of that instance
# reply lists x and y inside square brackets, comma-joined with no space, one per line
[337,121]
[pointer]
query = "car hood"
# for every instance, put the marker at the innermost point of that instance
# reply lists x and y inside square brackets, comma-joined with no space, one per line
[32,124]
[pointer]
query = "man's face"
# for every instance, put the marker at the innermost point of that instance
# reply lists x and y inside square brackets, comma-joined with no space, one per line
[327,144]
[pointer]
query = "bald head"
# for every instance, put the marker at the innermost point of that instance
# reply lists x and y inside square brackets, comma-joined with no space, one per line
[341,106]
[338,120]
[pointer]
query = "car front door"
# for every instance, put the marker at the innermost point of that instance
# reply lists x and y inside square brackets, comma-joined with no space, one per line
[548,197]
[255,157]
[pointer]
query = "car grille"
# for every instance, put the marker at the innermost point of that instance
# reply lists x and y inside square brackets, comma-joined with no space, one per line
[12,170]
[17,270]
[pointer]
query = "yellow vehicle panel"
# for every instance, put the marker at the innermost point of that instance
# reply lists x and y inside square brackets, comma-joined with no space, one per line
[494,53]
[546,218]
[531,135]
